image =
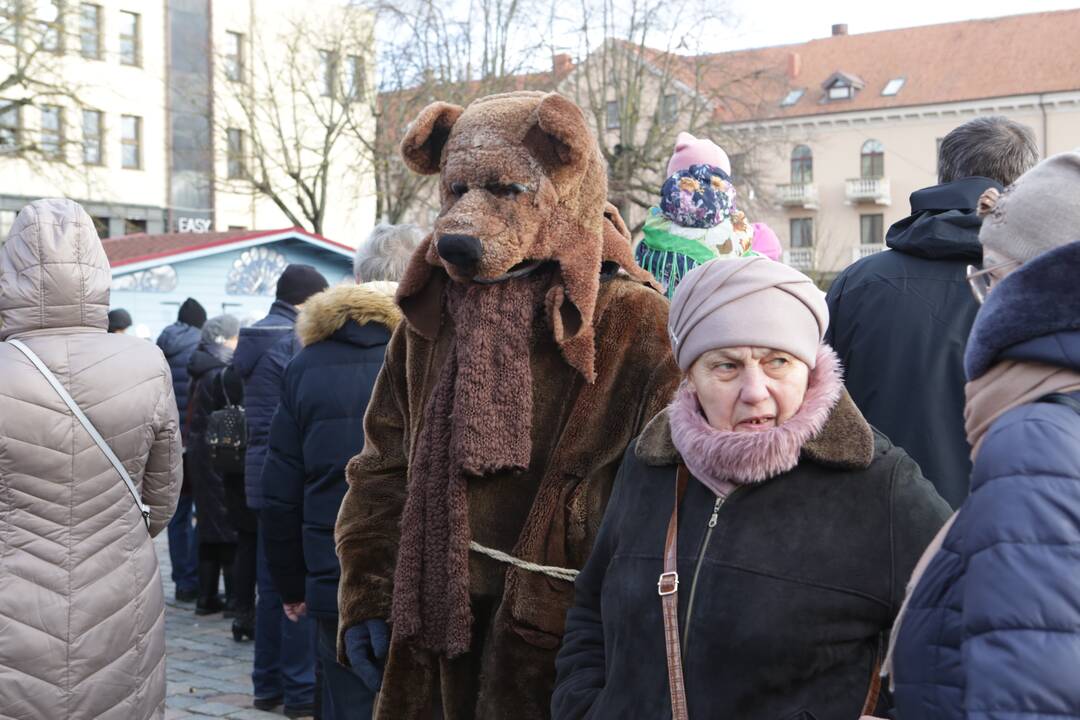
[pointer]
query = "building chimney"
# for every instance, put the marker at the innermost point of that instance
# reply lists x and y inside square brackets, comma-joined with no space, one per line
[561,64]
[794,65]
[839,29]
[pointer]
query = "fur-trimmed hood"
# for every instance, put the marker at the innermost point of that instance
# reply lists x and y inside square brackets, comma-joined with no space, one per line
[1038,301]
[327,312]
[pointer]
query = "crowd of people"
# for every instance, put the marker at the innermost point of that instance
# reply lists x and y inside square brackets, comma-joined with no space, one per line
[859,503]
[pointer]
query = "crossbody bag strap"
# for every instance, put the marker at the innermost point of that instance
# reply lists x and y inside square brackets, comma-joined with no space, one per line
[668,587]
[87,425]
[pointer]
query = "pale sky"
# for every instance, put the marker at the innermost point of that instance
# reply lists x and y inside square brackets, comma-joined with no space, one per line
[778,22]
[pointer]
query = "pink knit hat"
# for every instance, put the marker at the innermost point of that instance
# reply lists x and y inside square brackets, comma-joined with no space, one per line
[690,150]
[765,242]
[747,301]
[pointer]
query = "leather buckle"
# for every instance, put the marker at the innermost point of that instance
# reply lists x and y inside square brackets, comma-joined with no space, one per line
[670,577]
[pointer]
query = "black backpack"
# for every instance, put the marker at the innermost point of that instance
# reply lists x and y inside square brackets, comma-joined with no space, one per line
[226,435]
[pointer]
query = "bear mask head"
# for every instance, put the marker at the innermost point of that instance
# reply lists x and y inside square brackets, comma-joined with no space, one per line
[522,183]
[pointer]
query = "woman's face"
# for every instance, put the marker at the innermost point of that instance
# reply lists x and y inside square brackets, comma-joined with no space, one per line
[748,389]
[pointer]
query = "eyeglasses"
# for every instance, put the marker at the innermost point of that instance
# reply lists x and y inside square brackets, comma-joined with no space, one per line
[979,278]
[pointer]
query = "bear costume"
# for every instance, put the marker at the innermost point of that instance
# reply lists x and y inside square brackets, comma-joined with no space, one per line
[533,351]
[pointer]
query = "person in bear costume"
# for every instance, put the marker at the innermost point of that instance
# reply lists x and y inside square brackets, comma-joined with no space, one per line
[533,351]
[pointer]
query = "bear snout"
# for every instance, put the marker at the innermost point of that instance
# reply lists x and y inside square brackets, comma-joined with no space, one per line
[461,251]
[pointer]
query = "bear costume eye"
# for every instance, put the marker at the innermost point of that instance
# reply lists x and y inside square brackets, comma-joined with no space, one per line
[506,191]
[459,188]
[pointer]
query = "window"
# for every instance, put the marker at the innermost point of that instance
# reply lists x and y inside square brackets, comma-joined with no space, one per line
[235,143]
[101,226]
[738,165]
[840,92]
[328,61]
[131,142]
[802,165]
[792,97]
[355,77]
[129,38]
[9,127]
[893,86]
[90,31]
[871,228]
[669,108]
[613,115]
[161,279]
[133,227]
[7,219]
[92,132]
[873,160]
[802,232]
[52,131]
[234,56]
[49,19]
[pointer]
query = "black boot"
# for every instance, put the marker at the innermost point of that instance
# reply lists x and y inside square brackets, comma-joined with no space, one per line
[208,602]
[244,625]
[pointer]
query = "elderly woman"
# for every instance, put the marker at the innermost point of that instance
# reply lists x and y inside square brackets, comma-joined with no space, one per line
[754,552]
[992,628]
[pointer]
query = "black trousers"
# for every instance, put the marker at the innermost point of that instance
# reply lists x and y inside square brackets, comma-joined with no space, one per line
[215,561]
[243,572]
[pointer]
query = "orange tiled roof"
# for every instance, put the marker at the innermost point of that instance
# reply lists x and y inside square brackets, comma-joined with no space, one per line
[945,63]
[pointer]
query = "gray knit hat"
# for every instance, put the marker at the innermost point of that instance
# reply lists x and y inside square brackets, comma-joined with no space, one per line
[1039,212]
[218,329]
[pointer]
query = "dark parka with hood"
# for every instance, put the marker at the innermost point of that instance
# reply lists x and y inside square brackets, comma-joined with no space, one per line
[82,610]
[317,429]
[178,341]
[899,322]
[992,630]
[787,589]
[263,351]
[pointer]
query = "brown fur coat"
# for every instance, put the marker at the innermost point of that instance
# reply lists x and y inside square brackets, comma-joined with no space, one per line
[601,367]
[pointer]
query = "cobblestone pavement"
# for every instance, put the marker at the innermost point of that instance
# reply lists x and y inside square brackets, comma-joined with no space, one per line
[208,674]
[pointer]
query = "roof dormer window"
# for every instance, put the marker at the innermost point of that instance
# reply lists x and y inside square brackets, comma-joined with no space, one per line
[792,97]
[841,86]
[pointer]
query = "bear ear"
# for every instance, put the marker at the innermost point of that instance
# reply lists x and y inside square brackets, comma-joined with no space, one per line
[559,137]
[427,135]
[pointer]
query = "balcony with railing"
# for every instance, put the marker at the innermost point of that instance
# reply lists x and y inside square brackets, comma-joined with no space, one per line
[800,258]
[802,195]
[866,250]
[868,190]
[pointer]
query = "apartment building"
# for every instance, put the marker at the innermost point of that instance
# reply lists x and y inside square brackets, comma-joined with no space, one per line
[147,112]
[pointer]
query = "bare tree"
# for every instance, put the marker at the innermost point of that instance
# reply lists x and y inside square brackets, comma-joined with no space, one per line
[33,39]
[644,79]
[454,53]
[297,105]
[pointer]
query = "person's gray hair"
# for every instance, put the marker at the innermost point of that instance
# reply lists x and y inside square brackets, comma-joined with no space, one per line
[218,329]
[385,253]
[994,147]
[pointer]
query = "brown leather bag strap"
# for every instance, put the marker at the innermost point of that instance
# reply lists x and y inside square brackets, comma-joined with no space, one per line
[874,691]
[668,587]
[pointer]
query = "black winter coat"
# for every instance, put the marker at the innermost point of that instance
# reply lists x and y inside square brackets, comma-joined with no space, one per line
[178,341]
[784,599]
[993,628]
[205,368]
[899,321]
[317,429]
[263,351]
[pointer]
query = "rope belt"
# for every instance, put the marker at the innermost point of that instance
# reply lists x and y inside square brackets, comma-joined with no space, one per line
[556,572]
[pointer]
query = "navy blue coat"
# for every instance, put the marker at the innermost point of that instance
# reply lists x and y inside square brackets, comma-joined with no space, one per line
[262,352]
[317,429]
[899,321]
[993,627]
[178,341]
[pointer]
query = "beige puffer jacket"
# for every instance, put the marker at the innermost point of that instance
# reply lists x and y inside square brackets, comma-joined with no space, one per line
[82,614]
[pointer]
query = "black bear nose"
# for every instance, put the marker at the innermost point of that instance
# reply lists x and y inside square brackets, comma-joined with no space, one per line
[464,251]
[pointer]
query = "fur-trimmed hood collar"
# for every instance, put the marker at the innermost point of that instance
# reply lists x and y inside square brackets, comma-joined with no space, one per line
[845,442]
[327,312]
[1032,315]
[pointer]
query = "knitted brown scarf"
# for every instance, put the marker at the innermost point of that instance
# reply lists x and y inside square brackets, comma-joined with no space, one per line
[478,420]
